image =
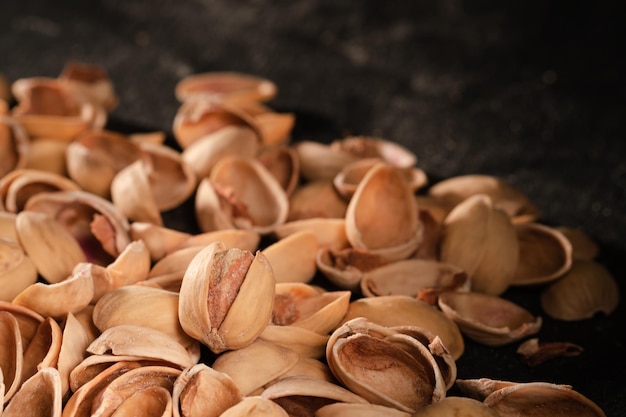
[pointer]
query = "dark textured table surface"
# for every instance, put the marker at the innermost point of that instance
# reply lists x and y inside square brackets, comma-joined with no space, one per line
[530,91]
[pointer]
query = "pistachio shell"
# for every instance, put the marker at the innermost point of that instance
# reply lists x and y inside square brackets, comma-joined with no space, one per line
[456,406]
[489,319]
[283,163]
[40,395]
[131,193]
[400,310]
[481,239]
[346,267]
[382,216]
[361,410]
[17,271]
[74,342]
[202,155]
[201,390]
[583,246]
[369,147]
[53,250]
[544,254]
[331,233]
[553,399]
[316,199]
[226,297]
[131,265]
[57,300]
[198,118]
[17,187]
[100,228]
[90,81]
[225,86]
[588,288]
[275,128]
[293,258]
[255,365]
[11,354]
[504,195]
[95,157]
[47,155]
[14,145]
[410,276]
[385,367]
[126,339]
[43,349]
[255,406]
[141,306]
[321,162]
[303,341]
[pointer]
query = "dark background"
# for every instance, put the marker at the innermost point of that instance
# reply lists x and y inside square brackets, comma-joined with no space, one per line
[530,91]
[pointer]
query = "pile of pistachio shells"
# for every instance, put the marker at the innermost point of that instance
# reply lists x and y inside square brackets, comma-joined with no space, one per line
[323,279]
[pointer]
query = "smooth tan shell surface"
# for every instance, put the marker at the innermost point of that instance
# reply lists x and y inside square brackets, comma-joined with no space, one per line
[331,233]
[456,406]
[17,271]
[368,147]
[283,163]
[225,86]
[488,319]
[255,406]
[587,289]
[19,185]
[481,239]
[39,396]
[293,257]
[316,199]
[359,410]
[14,145]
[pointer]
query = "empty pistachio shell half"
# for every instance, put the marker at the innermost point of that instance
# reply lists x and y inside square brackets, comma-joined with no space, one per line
[226,297]
[346,267]
[40,396]
[14,145]
[203,391]
[361,410]
[255,406]
[401,310]
[504,195]
[331,233]
[481,239]
[588,288]
[583,246]
[452,406]
[283,163]
[225,86]
[525,398]
[382,216]
[385,367]
[544,254]
[488,319]
[321,162]
[17,271]
[373,147]
[316,199]
[90,81]
[293,258]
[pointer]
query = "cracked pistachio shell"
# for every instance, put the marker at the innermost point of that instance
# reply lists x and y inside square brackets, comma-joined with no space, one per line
[48,108]
[240,193]
[17,271]
[488,319]
[585,290]
[319,161]
[143,306]
[203,391]
[283,163]
[225,86]
[39,396]
[145,342]
[17,187]
[305,342]
[58,299]
[482,240]
[316,199]
[96,156]
[51,248]
[331,233]
[195,119]
[145,391]
[226,297]
[255,406]
[202,155]
[255,365]
[453,406]
[345,267]
[384,366]
[524,399]
[14,145]
[90,81]
[382,216]
[409,276]
[305,306]
[348,179]
[73,344]
[293,257]
[400,310]
[44,348]
[99,226]
[27,320]
[274,128]
[371,147]
[505,196]
[11,354]
[545,254]
[47,155]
